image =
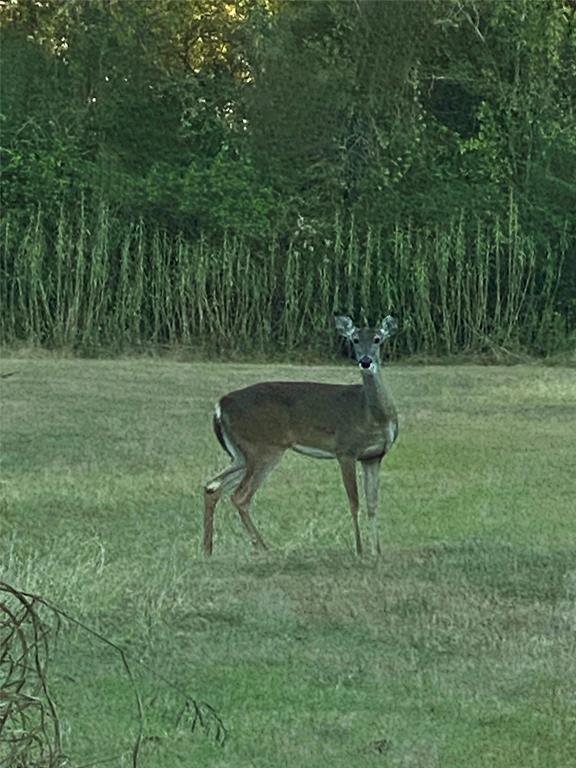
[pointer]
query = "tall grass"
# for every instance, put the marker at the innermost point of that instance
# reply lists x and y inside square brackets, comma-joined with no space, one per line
[87,280]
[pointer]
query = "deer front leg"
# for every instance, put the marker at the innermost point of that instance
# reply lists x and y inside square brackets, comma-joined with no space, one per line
[371,469]
[348,469]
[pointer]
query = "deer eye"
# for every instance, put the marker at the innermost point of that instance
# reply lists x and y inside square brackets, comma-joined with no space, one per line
[356,340]
[377,339]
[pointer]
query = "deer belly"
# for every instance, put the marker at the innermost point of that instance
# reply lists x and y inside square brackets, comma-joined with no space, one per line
[315,453]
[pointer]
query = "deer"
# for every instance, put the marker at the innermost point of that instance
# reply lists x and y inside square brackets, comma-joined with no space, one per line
[352,423]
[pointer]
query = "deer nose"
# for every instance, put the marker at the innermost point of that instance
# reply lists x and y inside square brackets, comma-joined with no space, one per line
[365,361]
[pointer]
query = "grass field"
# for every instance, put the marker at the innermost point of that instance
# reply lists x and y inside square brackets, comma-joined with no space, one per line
[456,649]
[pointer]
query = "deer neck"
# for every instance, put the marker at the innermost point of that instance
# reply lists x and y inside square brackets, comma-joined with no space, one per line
[377,397]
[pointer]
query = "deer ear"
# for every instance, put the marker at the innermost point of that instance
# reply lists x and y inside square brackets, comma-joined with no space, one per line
[388,327]
[344,325]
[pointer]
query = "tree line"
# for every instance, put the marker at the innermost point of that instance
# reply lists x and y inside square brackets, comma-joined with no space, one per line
[208,172]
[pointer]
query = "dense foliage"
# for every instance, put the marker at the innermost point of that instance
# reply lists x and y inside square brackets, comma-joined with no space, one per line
[204,171]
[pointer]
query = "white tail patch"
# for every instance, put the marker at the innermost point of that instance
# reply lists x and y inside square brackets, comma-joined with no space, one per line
[232,449]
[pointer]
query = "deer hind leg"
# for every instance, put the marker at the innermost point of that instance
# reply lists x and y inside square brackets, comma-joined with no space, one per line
[348,469]
[256,470]
[371,471]
[223,483]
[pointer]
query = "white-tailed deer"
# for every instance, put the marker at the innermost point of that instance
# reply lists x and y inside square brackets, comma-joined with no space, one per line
[350,423]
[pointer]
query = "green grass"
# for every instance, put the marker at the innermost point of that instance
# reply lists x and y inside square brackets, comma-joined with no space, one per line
[456,648]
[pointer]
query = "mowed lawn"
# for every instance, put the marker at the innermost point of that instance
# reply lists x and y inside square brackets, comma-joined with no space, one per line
[455,649]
